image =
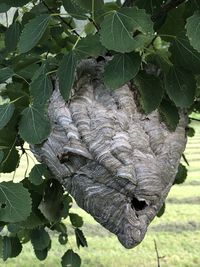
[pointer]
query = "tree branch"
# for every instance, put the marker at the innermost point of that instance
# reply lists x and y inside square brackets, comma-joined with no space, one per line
[165,9]
[128,3]
[61,19]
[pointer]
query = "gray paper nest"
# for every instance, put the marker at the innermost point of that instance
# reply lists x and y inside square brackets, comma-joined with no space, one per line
[118,163]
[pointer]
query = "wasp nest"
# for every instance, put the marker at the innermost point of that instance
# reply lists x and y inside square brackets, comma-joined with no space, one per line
[118,163]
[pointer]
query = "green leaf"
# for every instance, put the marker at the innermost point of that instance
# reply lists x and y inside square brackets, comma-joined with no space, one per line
[184,55]
[76,220]
[151,91]
[71,259]
[40,239]
[1,245]
[126,30]
[8,134]
[67,204]
[60,228]
[174,22]
[1,155]
[91,5]
[34,220]
[12,36]
[150,6]
[80,238]
[121,69]
[180,86]
[193,30]
[181,174]
[16,247]
[33,32]
[51,204]
[15,3]
[191,7]
[5,74]
[15,202]
[78,8]
[41,90]
[35,176]
[6,112]
[66,74]
[63,239]
[169,114]
[4,8]
[7,248]
[13,228]
[161,211]
[34,126]
[10,161]
[41,254]
[89,46]
[190,131]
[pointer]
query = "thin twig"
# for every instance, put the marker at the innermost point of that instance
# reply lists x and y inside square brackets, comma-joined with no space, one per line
[165,9]
[185,159]
[61,19]
[194,119]
[94,23]
[27,164]
[157,254]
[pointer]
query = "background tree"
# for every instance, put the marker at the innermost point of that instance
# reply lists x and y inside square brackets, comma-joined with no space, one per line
[154,44]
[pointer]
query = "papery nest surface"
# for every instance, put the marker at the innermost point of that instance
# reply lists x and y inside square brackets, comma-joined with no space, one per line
[117,162]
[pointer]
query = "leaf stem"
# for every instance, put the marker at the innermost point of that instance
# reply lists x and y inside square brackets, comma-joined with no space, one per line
[19,76]
[50,72]
[168,35]
[15,100]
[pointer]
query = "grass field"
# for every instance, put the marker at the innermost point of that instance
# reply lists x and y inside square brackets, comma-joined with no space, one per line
[177,232]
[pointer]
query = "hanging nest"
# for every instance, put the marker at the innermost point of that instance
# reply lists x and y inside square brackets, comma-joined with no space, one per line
[118,163]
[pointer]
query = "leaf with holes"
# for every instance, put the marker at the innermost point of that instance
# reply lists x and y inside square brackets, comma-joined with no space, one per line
[121,69]
[35,176]
[15,202]
[180,86]
[71,259]
[6,112]
[126,29]
[66,74]
[34,126]
[151,91]
[33,32]
[193,30]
